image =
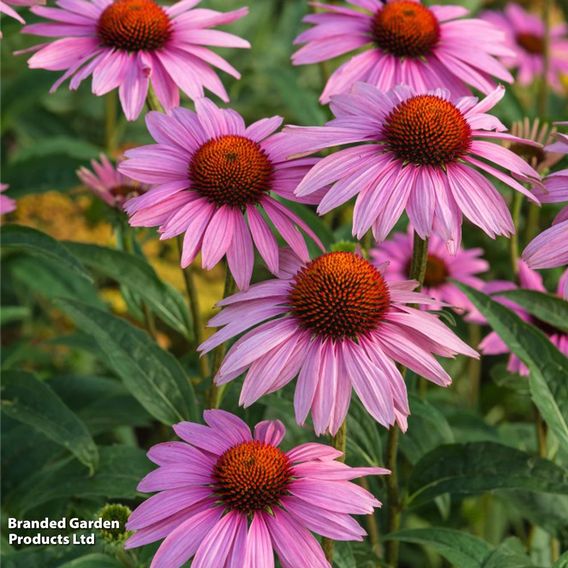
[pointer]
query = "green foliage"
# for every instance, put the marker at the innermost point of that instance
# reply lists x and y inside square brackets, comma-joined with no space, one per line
[33,402]
[548,367]
[153,376]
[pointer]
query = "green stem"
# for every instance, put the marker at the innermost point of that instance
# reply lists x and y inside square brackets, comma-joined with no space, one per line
[544,86]
[194,308]
[339,442]
[110,123]
[216,392]
[514,241]
[372,524]
[419,260]
[533,222]
[474,365]
[393,497]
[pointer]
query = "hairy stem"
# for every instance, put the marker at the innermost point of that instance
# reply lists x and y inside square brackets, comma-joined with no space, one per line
[474,365]
[216,392]
[194,308]
[514,241]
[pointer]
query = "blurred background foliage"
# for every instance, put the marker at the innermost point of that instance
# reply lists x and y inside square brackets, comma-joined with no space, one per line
[64,344]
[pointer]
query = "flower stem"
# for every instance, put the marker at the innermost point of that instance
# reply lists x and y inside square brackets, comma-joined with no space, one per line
[474,365]
[533,220]
[194,308]
[393,497]
[339,442]
[216,392]
[417,272]
[110,123]
[152,101]
[514,241]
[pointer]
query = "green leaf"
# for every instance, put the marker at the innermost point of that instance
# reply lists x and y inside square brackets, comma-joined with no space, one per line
[509,554]
[93,561]
[33,402]
[460,548]
[9,314]
[562,562]
[120,470]
[476,467]
[313,220]
[153,376]
[139,277]
[550,309]
[427,429]
[548,367]
[39,243]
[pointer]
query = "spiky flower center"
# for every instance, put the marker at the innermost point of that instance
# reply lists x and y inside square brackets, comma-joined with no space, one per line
[532,43]
[427,130]
[231,170]
[406,29]
[252,476]
[339,295]
[134,25]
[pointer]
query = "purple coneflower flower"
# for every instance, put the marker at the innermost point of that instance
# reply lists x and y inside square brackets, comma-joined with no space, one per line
[550,248]
[419,151]
[441,268]
[130,43]
[524,35]
[107,183]
[7,204]
[424,47]
[6,9]
[214,176]
[529,280]
[229,498]
[338,324]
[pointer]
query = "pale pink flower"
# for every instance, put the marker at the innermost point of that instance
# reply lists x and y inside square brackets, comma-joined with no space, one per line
[338,324]
[7,204]
[107,183]
[423,152]
[6,9]
[128,44]
[213,178]
[550,248]
[524,33]
[405,42]
[441,268]
[227,497]
[529,280]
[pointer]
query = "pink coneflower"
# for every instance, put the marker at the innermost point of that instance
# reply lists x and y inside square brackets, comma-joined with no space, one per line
[421,152]
[524,35]
[550,248]
[441,268]
[214,176]
[424,47]
[107,183]
[130,43]
[229,498]
[529,280]
[338,324]
[7,204]
[6,9]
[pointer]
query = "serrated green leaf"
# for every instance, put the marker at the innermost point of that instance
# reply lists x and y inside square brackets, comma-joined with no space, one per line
[466,469]
[39,243]
[153,376]
[550,309]
[509,554]
[548,367]
[33,402]
[139,277]
[120,470]
[460,548]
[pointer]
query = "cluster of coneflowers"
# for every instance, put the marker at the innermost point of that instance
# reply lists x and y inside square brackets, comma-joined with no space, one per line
[409,137]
